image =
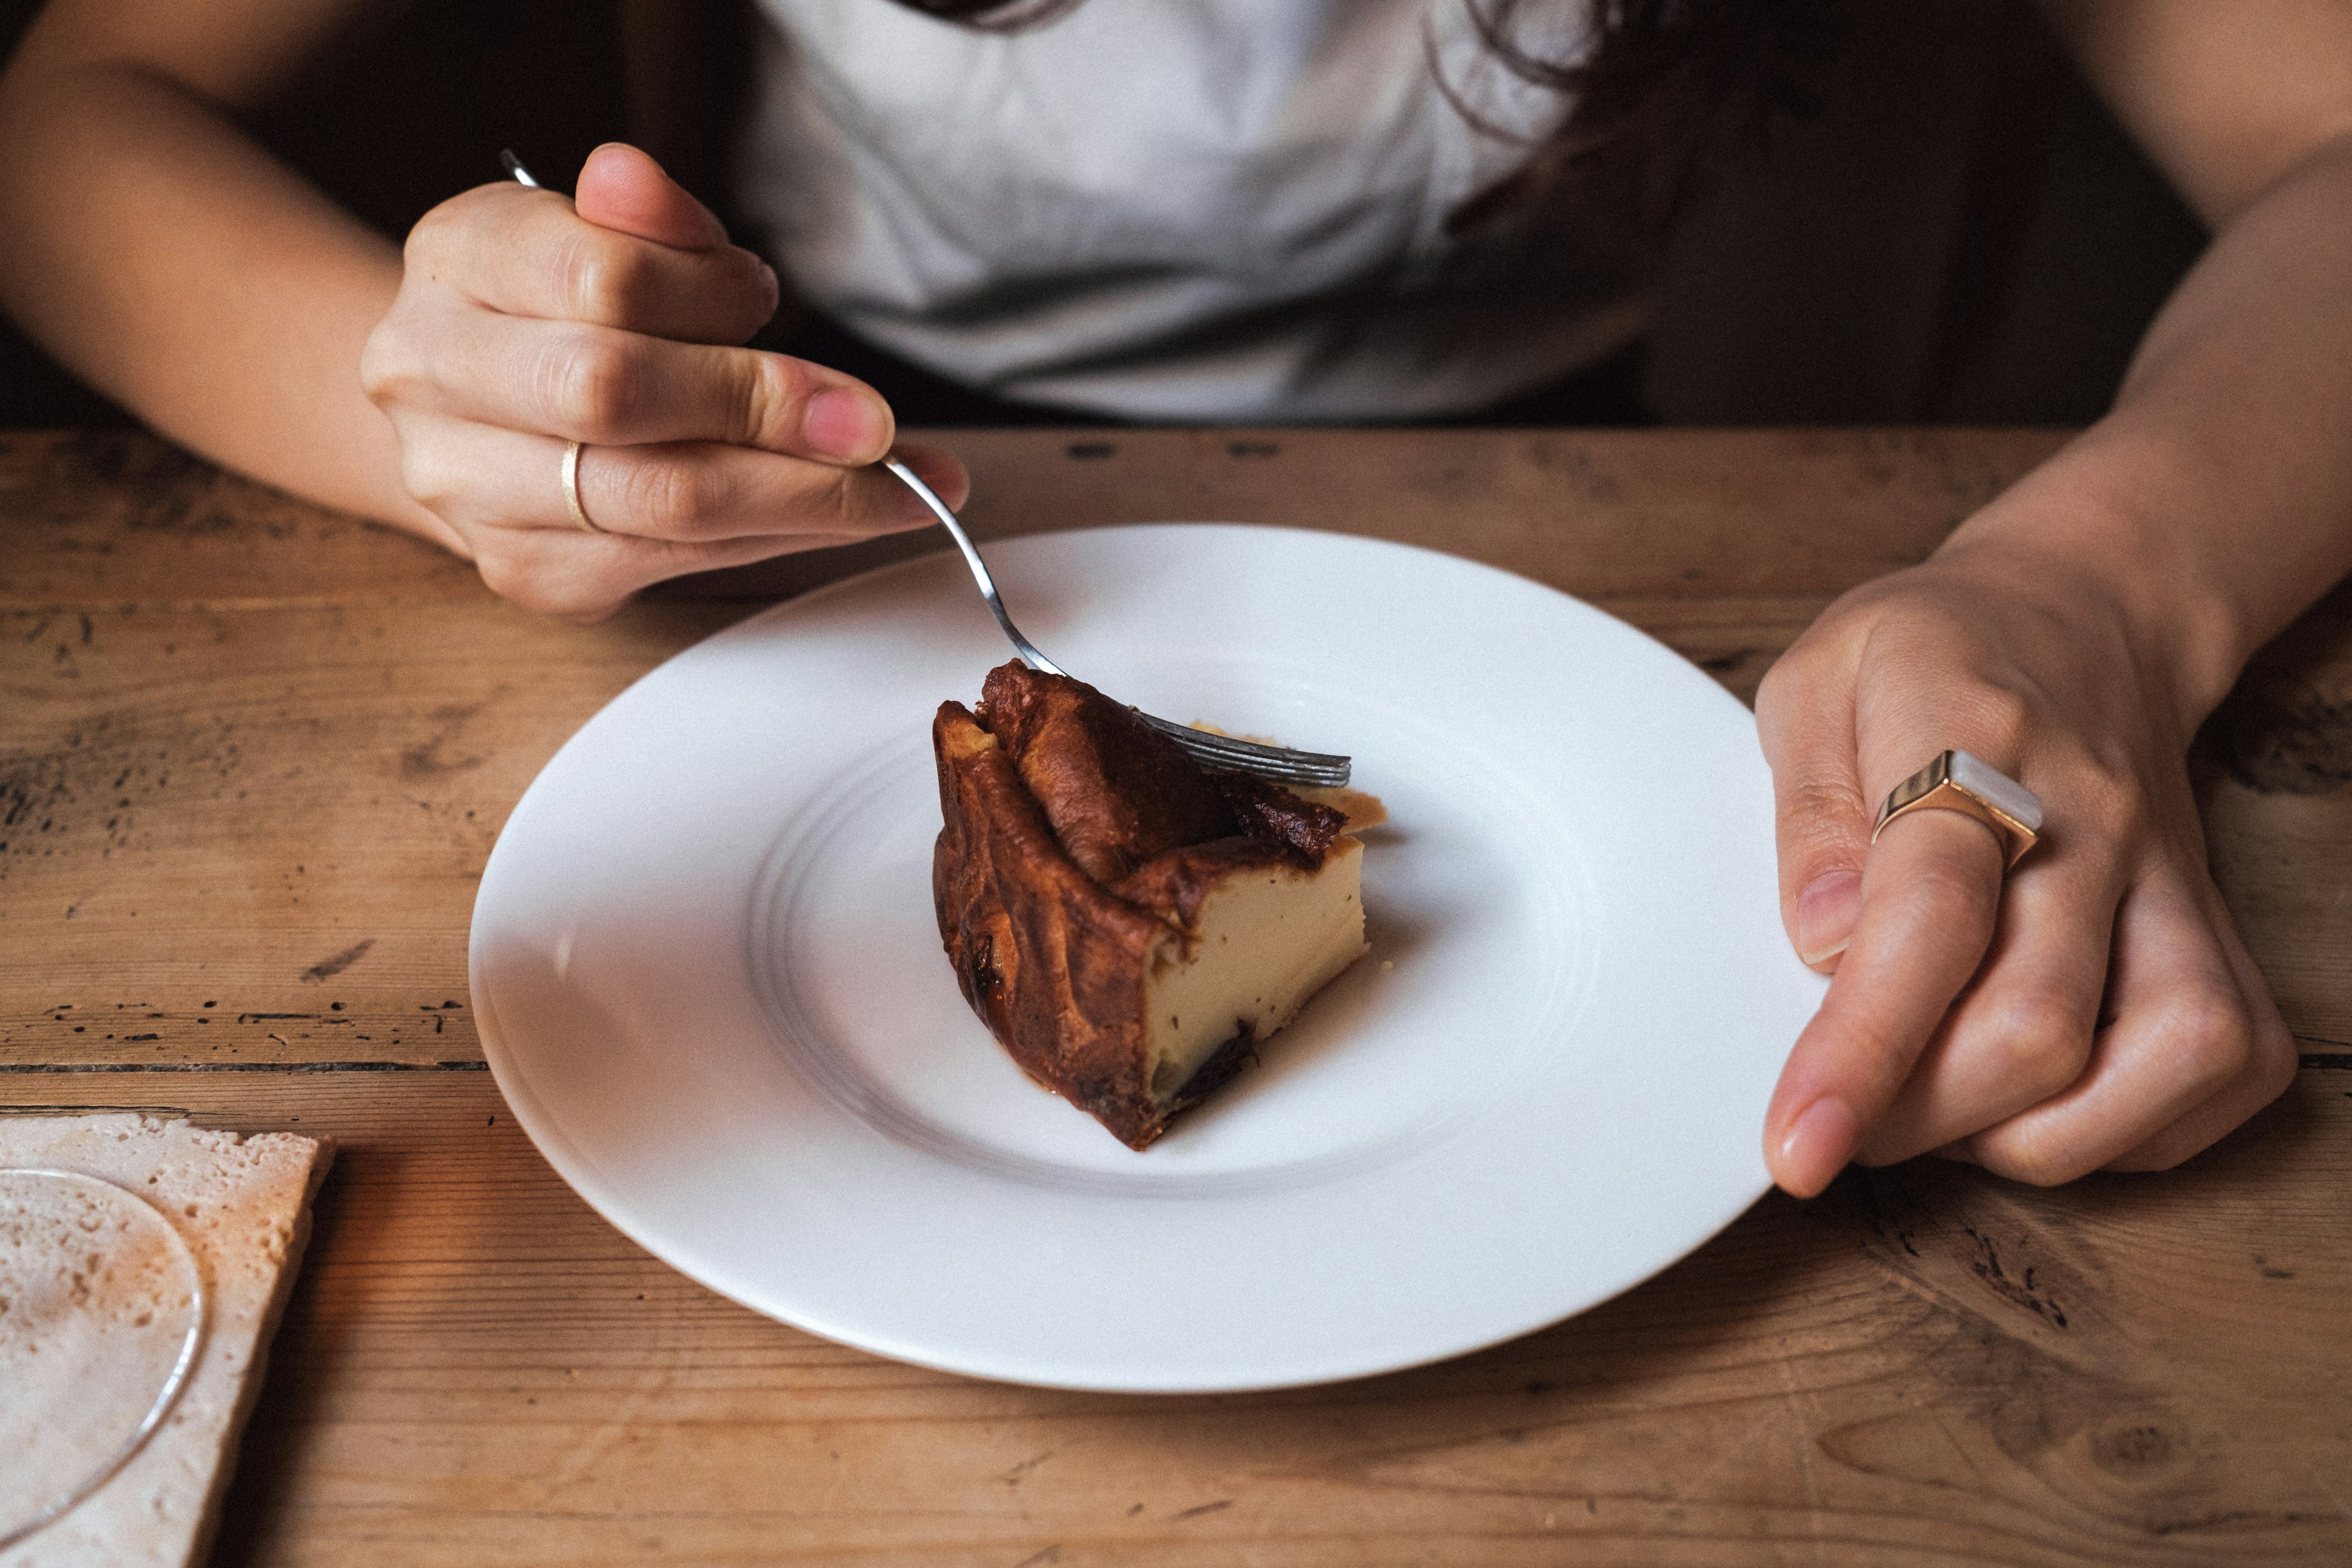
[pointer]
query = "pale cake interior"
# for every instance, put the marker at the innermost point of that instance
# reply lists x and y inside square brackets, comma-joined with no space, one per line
[1263,941]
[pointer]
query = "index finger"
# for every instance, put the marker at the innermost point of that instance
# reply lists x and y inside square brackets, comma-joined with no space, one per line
[1930,890]
[1820,823]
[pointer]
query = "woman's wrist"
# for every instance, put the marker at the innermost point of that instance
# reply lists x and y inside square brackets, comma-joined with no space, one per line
[2085,536]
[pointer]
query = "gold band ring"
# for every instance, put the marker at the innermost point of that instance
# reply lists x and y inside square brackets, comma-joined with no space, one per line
[572,490]
[1955,781]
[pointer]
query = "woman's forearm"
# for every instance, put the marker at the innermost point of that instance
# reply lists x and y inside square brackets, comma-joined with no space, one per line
[2217,495]
[171,261]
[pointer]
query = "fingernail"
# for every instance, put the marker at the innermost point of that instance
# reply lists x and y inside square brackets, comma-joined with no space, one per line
[848,423]
[1826,915]
[775,286]
[1816,1146]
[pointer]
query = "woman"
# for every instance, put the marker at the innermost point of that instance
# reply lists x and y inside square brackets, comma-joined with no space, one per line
[1341,219]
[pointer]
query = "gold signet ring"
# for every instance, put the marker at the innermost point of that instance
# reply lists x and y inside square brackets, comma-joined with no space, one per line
[1955,781]
[572,489]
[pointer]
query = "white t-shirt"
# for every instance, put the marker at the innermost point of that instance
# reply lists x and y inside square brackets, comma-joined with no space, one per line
[1189,210]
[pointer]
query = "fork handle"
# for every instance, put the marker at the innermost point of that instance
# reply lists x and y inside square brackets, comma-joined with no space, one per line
[1022,646]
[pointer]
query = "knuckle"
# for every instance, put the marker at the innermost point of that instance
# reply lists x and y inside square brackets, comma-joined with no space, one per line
[2206,1029]
[1942,894]
[2035,1160]
[1781,695]
[1821,801]
[769,401]
[391,373]
[667,497]
[1788,674]
[599,282]
[2111,801]
[459,232]
[838,504]
[433,235]
[431,480]
[522,577]
[507,571]
[2042,1045]
[2001,720]
[2275,1063]
[556,574]
[591,388]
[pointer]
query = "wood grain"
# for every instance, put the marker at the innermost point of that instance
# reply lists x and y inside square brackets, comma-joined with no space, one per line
[1928,1366]
[252,756]
[254,834]
[118,518]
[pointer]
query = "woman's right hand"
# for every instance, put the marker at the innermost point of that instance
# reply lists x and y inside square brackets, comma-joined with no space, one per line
[525,322]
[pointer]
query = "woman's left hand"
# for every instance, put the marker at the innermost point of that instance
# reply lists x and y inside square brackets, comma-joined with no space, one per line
[2092,1008]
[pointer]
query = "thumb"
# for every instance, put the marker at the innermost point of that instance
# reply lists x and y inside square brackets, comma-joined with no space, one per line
[1820,819]
[622,188]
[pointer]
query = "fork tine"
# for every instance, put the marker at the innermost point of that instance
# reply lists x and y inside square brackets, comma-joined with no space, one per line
[1283,763]
[1277,762]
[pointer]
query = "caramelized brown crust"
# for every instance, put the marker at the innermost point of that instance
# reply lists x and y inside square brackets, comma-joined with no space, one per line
[1075,838]
[1051,964]
[1266,810]
[1117,791]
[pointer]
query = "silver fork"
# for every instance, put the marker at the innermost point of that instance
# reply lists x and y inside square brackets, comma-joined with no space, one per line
[1280,764]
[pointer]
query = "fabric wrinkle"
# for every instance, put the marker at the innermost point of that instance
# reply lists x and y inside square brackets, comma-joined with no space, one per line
[1187,210]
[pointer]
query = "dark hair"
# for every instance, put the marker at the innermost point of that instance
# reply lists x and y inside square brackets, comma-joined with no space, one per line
[1667,92]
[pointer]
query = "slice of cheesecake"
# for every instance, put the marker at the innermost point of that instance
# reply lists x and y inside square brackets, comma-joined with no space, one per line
[1129,925]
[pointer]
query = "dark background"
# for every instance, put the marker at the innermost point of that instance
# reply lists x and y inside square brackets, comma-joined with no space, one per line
[1957,232]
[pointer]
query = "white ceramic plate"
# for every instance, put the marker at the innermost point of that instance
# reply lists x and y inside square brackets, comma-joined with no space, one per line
[709,984]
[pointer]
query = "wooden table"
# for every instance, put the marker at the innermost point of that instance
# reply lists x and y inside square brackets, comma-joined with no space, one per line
[255,755]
